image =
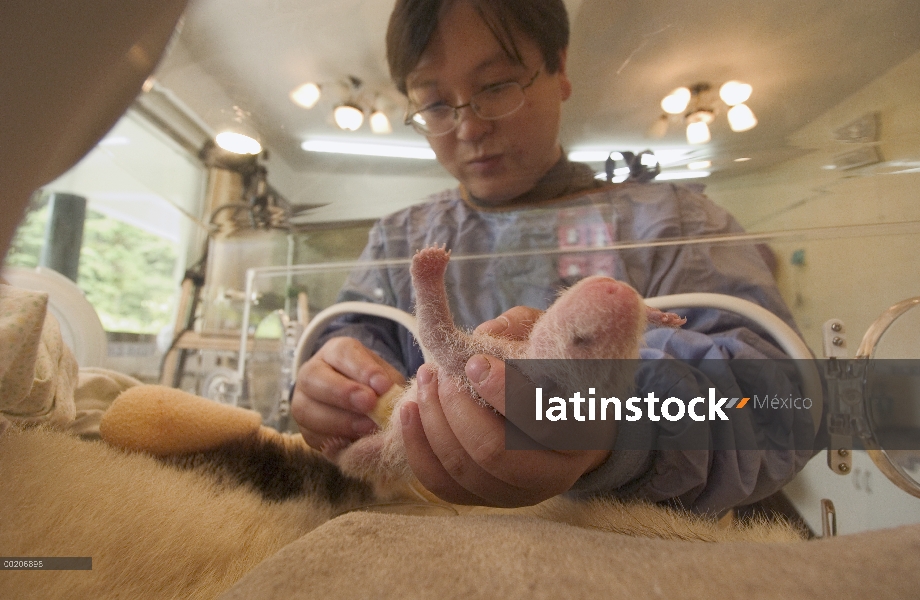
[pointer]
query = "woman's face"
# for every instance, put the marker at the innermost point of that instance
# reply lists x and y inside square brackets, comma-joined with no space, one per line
[496,160]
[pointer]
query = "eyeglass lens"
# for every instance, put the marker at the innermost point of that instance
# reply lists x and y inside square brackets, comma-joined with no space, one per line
[492,103]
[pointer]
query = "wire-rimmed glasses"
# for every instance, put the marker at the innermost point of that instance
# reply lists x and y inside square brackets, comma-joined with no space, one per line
[494,102]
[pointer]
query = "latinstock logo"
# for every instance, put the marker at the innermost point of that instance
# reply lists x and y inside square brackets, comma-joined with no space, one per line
[672,409]
[663,404]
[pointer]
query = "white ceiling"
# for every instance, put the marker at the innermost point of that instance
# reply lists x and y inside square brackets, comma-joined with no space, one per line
[801,56]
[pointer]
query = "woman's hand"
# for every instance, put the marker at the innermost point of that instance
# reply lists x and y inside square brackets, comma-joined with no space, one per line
[456,446]
[337,388]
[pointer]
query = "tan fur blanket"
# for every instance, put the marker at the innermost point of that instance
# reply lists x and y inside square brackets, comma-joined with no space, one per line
[155,531]
[364,555]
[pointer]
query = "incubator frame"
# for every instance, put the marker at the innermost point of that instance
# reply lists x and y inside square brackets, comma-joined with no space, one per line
[849,416]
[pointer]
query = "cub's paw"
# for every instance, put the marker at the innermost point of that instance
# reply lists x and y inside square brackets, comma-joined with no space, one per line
[663,319]
[430,262]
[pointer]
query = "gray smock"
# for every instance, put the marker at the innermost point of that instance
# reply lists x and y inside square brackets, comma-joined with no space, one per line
[501,258]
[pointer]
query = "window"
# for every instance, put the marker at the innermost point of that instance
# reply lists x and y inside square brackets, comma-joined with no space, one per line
[142,226]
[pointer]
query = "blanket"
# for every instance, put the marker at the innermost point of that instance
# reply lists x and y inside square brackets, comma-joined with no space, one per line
[38,373]
[40,381]
[366,555]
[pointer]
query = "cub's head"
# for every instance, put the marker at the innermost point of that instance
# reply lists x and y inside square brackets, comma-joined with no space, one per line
[598,317]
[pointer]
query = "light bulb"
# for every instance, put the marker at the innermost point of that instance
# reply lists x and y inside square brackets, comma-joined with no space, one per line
[380,123]
[734,92]
[676,101]
[237,143]
[348,117]
[741,118]
[698,133]
[306,95]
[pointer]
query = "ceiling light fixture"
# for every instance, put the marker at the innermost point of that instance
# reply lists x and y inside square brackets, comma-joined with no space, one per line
[237,143]
[348,116]
[349,113]
[306,95]
[698,125]
[675,102]
[741,118]
[369,149]
[380,123]
[696,107]
[237,132]
[735,92]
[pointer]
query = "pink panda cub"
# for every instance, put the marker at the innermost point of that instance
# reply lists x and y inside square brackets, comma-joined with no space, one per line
[597,318]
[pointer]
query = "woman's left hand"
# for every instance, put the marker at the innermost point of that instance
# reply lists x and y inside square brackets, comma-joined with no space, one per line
[456,446]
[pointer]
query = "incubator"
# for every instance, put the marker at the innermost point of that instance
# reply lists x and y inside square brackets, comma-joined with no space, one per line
[834,205]
[869,411]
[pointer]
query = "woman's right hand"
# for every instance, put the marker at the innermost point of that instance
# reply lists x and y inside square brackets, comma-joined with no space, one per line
[336,389]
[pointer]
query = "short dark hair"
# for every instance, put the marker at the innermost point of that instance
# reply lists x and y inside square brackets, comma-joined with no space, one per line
[413,22]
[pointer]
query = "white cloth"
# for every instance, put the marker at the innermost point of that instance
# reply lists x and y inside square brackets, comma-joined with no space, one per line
[38,373]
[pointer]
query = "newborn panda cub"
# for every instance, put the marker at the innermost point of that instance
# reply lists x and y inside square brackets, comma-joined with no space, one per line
[597,318]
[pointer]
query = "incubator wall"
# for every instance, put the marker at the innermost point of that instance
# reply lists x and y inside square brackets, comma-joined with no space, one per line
[865,498]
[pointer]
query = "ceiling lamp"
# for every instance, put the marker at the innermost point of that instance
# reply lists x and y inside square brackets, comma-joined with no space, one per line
[237,143]
[698,133]
[354,103]
[698,125]
[675,102]
[348,116]
[696,106]
[734,92]
[741,118]
[306,95]
[237,132]
[380,123]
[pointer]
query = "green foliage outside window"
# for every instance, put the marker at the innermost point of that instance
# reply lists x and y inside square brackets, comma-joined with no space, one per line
[125,272]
